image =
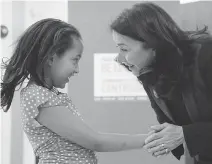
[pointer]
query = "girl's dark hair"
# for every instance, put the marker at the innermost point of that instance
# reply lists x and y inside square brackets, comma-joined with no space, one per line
[150,24]
[37,44]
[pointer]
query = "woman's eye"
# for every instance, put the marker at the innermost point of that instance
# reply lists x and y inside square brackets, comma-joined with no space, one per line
[124,50]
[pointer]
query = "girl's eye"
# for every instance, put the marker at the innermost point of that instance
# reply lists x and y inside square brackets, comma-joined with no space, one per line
[76,59]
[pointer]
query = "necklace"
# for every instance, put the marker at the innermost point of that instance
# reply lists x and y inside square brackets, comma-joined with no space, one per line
[55,90]
[145,70]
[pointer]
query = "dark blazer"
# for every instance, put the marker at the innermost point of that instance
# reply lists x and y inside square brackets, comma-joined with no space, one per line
[197,97]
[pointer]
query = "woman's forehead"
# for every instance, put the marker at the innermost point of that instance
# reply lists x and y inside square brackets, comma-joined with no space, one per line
[118,38]
[122,40]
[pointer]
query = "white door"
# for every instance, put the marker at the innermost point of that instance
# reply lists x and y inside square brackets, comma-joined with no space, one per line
[5,50]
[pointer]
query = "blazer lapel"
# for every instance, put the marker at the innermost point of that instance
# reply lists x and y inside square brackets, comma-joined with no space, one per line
[190,105]
[161,103]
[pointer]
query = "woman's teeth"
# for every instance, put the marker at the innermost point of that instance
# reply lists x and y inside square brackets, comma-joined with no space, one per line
[128,65]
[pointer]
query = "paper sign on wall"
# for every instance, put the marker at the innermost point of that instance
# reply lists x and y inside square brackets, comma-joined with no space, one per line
[113,82]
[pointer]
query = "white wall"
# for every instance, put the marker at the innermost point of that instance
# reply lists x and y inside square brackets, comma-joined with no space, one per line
[17,16]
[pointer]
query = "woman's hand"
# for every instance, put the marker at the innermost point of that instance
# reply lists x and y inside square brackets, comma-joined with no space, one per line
[166,138]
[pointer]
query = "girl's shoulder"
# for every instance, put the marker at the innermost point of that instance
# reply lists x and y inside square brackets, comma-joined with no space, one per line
[34,97]
[34,91]
[43,96]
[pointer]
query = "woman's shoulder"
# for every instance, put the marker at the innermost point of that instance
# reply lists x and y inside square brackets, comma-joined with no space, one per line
[206,45]
[204,60]
[205,53]
[202,51]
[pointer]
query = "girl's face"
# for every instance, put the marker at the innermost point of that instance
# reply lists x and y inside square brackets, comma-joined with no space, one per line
[135,54]
[64,66]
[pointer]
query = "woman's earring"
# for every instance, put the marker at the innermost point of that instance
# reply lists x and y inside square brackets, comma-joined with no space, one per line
[154,55]
[154,52]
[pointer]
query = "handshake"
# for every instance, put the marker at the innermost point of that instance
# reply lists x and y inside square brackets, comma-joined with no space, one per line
[162,139]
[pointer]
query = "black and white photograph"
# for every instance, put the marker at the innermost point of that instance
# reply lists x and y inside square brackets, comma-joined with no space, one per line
[106,82]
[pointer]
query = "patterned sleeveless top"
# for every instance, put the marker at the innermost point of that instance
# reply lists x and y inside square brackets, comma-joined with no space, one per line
[50,147]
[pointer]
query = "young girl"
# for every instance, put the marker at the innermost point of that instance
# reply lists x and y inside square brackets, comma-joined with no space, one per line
[48,54]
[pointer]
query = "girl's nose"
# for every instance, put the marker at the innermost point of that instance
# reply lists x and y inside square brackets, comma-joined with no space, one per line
[76,69]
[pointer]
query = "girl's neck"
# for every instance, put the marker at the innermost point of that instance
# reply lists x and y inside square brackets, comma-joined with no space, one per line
[43,84]
[52,88]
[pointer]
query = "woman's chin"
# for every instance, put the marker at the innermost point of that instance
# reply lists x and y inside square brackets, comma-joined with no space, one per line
[135,73]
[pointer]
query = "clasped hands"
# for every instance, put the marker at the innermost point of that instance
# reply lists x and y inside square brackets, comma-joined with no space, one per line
[163,138]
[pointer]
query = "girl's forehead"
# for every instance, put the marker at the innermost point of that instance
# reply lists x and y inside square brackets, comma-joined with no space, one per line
[78,45]
[76,48]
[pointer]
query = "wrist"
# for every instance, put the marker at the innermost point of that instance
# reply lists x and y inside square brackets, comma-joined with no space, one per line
[141,139]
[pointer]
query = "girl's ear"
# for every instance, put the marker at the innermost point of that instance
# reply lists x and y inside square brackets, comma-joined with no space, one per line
[51,59]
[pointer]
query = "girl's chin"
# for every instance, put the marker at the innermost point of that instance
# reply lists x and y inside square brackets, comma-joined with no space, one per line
[61,86]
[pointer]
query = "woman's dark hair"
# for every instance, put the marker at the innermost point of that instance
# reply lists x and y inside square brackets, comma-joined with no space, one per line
[150,24]
[37,44]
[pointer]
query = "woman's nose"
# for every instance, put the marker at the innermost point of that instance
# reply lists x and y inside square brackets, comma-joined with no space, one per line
[121,59]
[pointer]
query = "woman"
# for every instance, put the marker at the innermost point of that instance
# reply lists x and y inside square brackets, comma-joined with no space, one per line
[174,67]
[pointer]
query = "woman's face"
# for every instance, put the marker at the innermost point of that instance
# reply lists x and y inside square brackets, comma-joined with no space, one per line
[133,53]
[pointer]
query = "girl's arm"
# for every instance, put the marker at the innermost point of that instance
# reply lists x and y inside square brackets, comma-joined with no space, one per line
[62,121]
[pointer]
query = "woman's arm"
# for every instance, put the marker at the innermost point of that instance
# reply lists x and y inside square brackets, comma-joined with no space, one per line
[201,133]
[162,118]
[198,138]
[62,121]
